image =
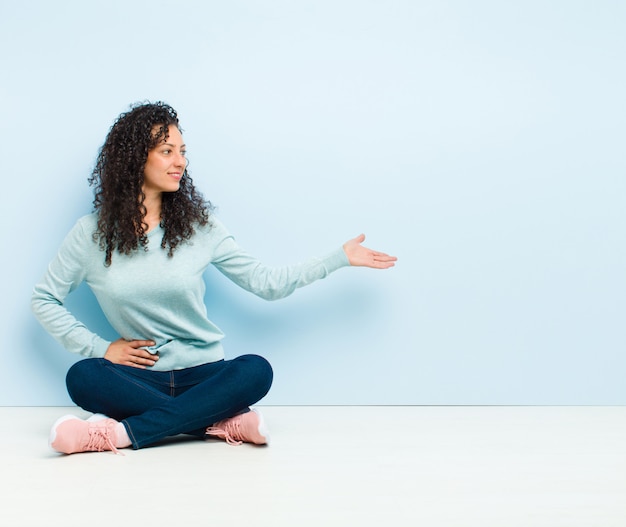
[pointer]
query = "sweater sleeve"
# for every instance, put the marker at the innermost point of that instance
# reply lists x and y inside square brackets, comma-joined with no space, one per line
[269,283]
[64,274]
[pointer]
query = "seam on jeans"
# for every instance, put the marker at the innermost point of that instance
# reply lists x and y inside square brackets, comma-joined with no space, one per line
[131,379]
[130,434]
[172,384]
[135,373]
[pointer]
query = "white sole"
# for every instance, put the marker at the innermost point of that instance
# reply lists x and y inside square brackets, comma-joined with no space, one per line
[262,428]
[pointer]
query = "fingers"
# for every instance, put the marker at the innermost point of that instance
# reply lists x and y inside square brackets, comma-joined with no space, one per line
[131,353]
[140,343]
[145,357]
[138,357]
[143,362]
[381,260]
[378,254]
[383,263]
[381,257]
[141,359]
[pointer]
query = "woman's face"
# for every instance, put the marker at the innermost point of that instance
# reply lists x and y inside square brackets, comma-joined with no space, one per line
[166,164]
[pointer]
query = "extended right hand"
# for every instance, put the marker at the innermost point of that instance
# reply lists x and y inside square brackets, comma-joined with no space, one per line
[130,353]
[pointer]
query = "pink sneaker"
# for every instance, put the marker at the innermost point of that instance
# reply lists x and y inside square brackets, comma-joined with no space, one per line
[248,428]
[71,434]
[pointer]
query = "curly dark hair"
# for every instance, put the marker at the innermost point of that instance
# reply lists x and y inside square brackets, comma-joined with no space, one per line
[118,180]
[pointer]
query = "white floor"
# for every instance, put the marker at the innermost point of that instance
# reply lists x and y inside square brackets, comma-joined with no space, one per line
[326,466]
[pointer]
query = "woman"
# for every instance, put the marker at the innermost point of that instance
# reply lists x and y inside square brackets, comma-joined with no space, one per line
[143,252]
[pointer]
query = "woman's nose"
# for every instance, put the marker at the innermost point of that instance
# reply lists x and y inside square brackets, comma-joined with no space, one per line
[181,160]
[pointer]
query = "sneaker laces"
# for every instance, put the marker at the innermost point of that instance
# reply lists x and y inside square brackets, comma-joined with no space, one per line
[100,439]
[228,430]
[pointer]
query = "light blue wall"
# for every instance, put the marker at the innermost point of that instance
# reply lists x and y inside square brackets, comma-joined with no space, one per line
[482,142]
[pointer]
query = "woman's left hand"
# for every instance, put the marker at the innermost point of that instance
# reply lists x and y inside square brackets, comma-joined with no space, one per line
[364,257]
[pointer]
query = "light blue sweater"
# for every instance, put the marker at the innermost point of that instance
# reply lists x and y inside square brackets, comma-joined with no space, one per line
[150,296]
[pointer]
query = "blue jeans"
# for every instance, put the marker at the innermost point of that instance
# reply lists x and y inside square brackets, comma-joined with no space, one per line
[153,405]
